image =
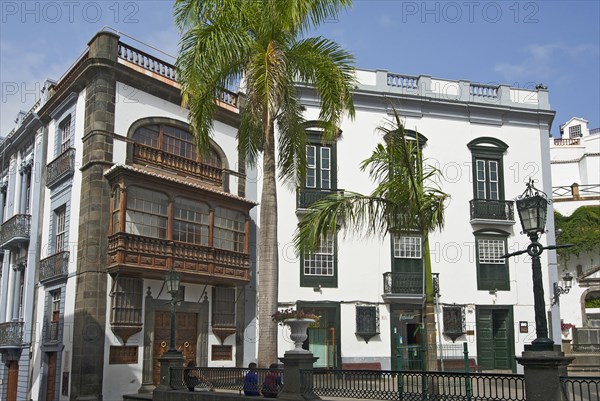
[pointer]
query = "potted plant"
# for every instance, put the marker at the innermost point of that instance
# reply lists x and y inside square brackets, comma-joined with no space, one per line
[565,328]
[298,321]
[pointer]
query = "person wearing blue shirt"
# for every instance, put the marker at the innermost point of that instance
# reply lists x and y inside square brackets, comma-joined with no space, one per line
[251,381]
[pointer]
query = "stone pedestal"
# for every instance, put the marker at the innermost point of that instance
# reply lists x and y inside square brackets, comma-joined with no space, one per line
[292,381]
[169,359]
[542,371]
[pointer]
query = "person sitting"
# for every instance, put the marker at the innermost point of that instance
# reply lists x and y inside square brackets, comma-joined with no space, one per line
[194,380]
[251,381]
[272,383]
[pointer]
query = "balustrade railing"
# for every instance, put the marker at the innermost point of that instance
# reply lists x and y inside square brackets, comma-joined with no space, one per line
[586,348]
[15,229]
[307,196]
[62,166]
[146,252]
[403,81]
[595,131]
[148,154]
[492,210]
[54,266]
[403,283]
[412,386]
[566,142]
[146,61]
[486,91]
[11,334]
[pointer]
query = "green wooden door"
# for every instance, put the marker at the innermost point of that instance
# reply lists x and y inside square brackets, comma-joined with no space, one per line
[494,338]
[318,346]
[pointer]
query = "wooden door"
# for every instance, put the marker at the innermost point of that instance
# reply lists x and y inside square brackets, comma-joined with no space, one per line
[13,381]
[51,378]
[186,336]
[494,338]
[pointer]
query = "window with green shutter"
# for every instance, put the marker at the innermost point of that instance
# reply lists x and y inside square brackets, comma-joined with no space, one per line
[492,268]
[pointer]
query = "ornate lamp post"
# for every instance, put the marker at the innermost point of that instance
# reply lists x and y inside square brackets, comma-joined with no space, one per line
[172,281]
[172,357]
[532,207]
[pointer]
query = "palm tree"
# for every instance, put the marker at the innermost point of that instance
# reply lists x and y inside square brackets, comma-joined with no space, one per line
[405,200]
[261,43]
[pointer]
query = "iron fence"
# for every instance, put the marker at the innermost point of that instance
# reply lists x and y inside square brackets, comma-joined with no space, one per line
[413,386]
[580,388]
[221,378]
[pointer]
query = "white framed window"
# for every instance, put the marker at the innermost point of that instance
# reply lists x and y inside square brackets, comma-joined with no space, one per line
[65,134]
[311,166]
[487,179]
[321,262]
[491,251]
[325,167]
[407,247]
[60,218]
[55,305]
[575,131]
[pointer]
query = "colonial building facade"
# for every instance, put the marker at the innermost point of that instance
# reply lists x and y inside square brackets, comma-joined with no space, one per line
[104,192]
[487,140]
[575,162]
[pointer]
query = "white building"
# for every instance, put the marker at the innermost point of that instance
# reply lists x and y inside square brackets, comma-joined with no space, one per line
[487,141]
[575,161]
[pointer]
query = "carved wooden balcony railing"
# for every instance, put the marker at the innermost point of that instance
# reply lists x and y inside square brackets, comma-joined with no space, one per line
[307,196]
[152,257]
[54,267]
[61,167]
[486,209]
[11,334]
[148,155]
[15,230]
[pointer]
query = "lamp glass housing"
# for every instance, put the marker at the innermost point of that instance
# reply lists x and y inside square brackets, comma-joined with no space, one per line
[172,281]
[568,280]
[532,213]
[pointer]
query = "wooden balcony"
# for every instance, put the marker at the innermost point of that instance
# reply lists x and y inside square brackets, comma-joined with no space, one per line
[15,231]
[152,258]
[403,288]
[307,196]
[54,267]
[143,154]
[61,167]
[497,211]
[11,334]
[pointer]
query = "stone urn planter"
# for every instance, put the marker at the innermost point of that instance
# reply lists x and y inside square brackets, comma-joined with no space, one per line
[298,334]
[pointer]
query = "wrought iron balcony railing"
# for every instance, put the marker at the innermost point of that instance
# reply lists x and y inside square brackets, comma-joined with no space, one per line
[11,334]
[487,209]
[51,332]
[308,196]
[54,267]
[15,230]
[61,167]
[403,283]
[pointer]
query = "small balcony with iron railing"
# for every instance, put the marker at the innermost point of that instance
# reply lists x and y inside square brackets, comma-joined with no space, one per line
[11,335]
[54,267]
[492,211]
[307,196]
[15,231]
[403,288]
[51,332]
[60,168]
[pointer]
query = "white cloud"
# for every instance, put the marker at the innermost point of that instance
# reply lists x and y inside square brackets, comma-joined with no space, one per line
[544,61]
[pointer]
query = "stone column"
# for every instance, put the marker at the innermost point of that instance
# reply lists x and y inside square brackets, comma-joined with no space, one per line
[89,323]
[542,373]
[292,379]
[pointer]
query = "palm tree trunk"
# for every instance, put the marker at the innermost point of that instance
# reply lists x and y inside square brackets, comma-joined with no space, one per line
[429,313]
[268,253]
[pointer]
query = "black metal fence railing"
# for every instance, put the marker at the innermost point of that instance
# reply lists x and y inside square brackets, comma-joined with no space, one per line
[413,386]
[581,388]
[307,196]
[492,209]
[402,283]
[586,348]
[236,379]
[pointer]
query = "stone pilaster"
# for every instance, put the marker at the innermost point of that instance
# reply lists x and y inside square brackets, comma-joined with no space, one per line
[91,285]
[542,370]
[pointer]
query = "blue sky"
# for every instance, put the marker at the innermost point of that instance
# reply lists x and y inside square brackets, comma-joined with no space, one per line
[520,43]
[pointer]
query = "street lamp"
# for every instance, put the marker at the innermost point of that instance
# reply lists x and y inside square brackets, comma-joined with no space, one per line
[558,290]
[172,281]
[532,206]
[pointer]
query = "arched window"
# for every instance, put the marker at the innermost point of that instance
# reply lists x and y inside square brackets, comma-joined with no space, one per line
[175,141]
[190,221]
[146,213]
[229,230]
